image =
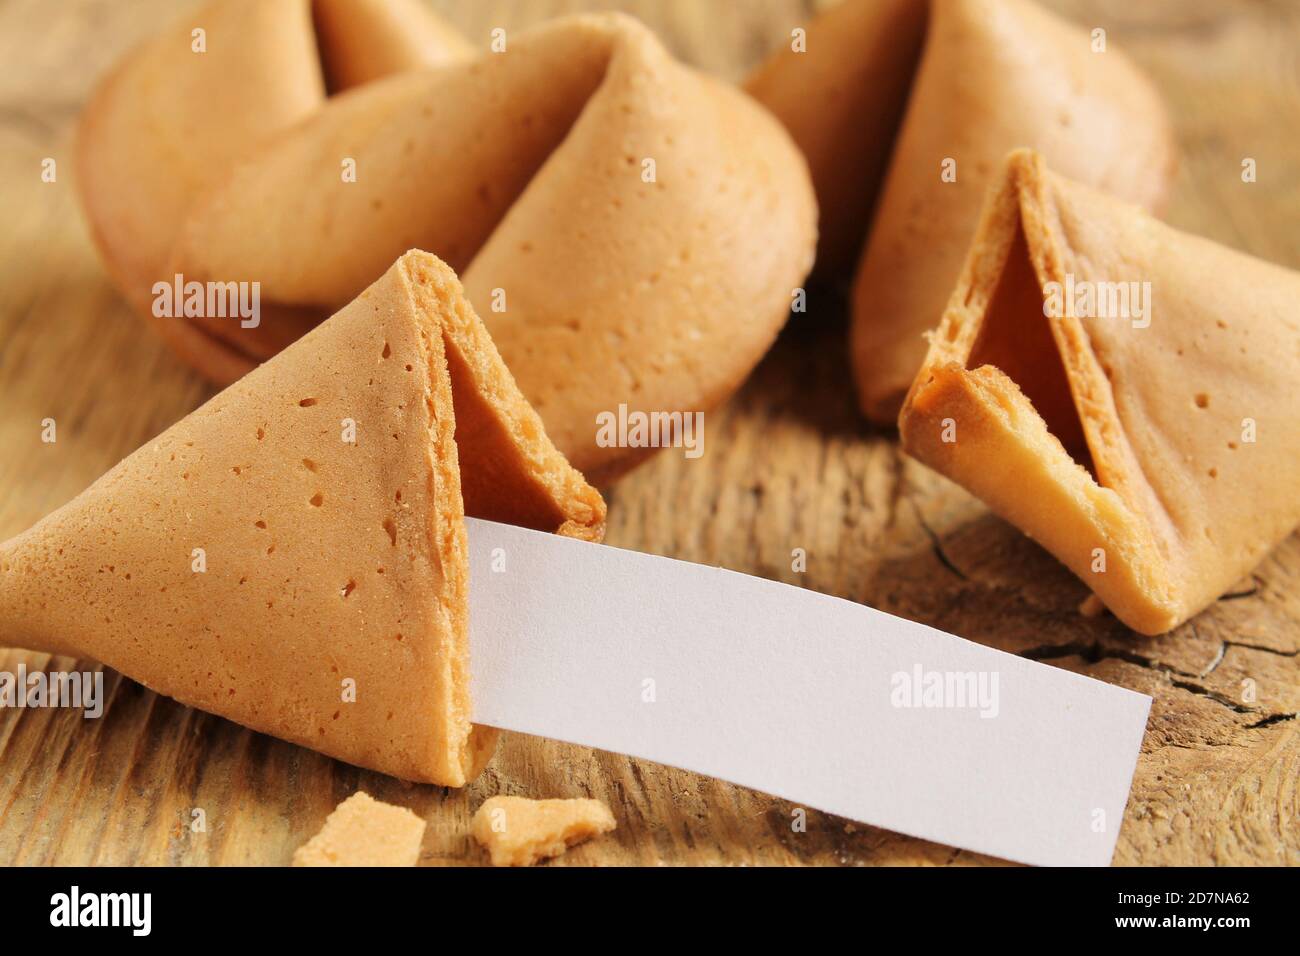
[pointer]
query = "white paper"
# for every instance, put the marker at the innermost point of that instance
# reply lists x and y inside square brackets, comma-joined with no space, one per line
[797,694]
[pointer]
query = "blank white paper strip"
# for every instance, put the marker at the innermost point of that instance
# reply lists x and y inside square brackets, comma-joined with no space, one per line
[824,702]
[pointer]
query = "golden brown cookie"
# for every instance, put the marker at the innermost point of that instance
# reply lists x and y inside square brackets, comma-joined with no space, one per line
[292,554]
[840,89]
[631,231]
[1120,391]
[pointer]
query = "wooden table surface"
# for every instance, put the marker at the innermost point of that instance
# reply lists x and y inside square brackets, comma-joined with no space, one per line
[790,465]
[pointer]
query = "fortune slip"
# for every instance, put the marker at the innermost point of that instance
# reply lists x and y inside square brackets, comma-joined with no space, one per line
[795,693]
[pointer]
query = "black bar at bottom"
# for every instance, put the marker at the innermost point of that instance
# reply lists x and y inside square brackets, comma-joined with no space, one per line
[562,905]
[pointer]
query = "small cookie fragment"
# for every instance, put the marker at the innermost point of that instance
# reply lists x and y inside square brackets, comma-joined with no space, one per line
[362,831]
[518,831]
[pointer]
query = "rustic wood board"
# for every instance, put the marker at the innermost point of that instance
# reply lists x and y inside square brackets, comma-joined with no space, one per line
[789,465]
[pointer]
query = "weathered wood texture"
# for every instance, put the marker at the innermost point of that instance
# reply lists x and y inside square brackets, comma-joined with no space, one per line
[789,464]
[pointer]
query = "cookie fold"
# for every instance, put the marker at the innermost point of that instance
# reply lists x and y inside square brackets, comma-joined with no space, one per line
[1120,391]
[166,123]
[840,89]
[292,555]
[365,40]
[631,231]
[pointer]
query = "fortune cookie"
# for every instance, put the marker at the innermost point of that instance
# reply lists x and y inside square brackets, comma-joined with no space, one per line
[292,555]
[1122,392]
[630,230]
[993,75]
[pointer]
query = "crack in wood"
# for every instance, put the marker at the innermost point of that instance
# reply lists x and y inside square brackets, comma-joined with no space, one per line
[1272,719]
[1261,647]
[1093,652]
[936,545]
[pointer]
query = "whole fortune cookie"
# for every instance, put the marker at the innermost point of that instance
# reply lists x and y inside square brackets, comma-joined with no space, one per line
[292,554]
[631,231]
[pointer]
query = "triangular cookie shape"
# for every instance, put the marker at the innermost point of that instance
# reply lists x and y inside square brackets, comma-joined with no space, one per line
[1122,392]
[292,555]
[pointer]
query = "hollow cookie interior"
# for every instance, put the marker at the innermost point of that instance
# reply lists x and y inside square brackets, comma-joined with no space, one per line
[292,555]
[1096,434]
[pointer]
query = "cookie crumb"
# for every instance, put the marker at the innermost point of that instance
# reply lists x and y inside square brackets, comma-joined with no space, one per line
[518,831]
[362,831]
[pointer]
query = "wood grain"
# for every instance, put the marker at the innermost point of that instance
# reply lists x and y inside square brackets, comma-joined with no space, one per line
[789,465]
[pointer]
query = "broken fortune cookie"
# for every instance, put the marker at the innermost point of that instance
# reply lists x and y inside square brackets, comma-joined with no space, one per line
[363,831]
[1151,448]
[517,831]
[292,554]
